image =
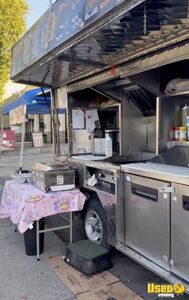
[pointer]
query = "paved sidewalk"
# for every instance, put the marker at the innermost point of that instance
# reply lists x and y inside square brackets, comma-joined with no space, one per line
[22,277]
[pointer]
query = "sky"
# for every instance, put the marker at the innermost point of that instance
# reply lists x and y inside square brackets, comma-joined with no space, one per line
[37,9]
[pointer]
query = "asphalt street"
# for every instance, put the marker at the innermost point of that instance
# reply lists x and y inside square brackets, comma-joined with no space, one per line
[129,272]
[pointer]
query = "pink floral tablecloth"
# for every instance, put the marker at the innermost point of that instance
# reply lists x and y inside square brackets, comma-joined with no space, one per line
[24,203]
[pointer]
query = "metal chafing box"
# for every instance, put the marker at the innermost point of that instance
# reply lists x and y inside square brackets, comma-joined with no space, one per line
[52,177]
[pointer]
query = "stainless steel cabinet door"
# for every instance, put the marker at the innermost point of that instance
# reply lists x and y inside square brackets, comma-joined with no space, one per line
[147,212]
[180,231]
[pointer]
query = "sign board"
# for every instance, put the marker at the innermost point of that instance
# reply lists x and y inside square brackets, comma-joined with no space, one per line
[37,139]
[62,98]
[8,139]
[17,115]
[78,119]
[92,119]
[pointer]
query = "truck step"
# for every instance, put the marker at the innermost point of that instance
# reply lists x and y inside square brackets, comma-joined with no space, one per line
[88,257]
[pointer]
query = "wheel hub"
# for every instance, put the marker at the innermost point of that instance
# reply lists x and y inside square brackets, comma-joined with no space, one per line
[93,227]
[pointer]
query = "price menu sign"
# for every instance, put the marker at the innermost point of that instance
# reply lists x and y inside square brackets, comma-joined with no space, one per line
[37,139]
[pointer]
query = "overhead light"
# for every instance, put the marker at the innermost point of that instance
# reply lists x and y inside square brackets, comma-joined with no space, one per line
[123,76]
[131,87]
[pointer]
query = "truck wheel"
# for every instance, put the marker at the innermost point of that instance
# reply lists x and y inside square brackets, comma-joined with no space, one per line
[95,223]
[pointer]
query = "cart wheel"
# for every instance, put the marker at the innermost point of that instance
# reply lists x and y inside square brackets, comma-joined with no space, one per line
[95,223]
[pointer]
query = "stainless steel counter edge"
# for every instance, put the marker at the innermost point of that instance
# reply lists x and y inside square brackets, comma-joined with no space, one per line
[158,171]
[96,164]
[103,166]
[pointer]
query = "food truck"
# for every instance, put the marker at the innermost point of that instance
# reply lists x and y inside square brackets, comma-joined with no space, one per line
[120,69]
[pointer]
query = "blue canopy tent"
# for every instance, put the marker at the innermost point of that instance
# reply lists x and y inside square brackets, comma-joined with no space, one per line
[35,103]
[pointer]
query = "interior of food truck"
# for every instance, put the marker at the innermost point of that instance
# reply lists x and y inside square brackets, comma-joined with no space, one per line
[141,113]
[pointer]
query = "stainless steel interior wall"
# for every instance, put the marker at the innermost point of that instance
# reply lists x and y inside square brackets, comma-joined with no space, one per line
[151,134]
[133,130]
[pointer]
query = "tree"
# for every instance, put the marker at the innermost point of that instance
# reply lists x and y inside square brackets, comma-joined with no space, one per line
[12,26]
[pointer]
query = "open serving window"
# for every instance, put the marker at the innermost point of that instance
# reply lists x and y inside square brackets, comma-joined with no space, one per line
[92,117]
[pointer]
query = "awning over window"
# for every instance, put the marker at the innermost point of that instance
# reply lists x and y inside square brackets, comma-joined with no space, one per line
[79,38]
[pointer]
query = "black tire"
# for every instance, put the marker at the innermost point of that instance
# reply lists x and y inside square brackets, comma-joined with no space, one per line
[95,206]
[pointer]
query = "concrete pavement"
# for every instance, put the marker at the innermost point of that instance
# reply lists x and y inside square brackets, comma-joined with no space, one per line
[22,277]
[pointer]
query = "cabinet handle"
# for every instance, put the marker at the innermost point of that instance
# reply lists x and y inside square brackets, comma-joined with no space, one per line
[145,192]
[185,203]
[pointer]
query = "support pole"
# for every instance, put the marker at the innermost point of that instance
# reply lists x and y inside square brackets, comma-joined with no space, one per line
[57,125]
[71,227]
[53,124]
[22,141]
[22,147]
[157,124]
[62,103]
[37,240]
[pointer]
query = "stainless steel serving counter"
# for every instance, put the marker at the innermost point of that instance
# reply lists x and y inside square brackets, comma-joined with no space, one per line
[157,171]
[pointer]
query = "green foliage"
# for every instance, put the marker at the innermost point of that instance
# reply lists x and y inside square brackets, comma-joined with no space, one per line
[12,26]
